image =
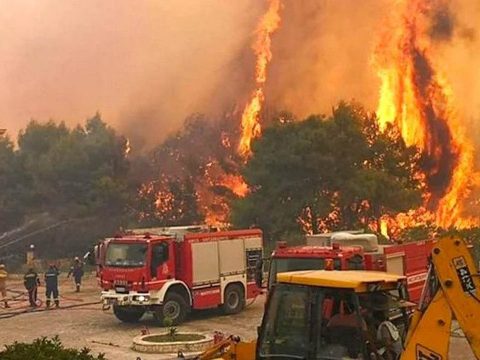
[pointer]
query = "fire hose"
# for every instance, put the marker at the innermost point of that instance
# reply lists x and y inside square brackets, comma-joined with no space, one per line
[21,296]
[10,314]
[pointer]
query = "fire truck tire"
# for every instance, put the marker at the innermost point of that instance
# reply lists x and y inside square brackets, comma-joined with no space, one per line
[234,299]
[130,314]
[174,308]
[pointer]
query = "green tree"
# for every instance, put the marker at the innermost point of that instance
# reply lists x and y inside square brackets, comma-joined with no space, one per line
[75,172]
[336,172]
[34,145]
[13,190]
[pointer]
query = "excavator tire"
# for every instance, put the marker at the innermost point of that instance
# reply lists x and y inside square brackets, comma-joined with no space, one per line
[128,314]
[234,299]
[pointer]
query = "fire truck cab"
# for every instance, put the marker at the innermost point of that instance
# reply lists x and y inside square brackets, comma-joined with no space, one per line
[170,271]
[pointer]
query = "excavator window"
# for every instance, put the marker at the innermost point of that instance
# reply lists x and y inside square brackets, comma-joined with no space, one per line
[304,322]
[338,336]
[286,323]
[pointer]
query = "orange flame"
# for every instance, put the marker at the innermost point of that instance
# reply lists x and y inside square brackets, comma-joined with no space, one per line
[235,183]
[212,201]
[128,147]
[419,101]
[384,228]
[250,124]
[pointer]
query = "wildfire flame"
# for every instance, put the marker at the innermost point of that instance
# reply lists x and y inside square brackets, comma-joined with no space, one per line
[128,147]
[417,98]
[384,228]
[250,124]
[211,201]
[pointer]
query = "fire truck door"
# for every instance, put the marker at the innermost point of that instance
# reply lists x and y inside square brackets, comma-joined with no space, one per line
[159,257]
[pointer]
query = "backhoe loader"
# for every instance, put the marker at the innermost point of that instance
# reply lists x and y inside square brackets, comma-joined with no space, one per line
[326,314]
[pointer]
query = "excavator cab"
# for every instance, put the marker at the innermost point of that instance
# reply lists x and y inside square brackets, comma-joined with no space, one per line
[329,314]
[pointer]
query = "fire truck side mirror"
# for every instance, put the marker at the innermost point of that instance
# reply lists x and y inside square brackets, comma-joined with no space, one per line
[259,273]
[89,258]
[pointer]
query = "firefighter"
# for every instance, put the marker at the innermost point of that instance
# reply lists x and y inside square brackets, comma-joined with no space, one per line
[51,283]
[3,284]
[77,271]
[388,336]
[31,282]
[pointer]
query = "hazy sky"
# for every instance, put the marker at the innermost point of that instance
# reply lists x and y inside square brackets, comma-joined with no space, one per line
[127,59]
[146,65]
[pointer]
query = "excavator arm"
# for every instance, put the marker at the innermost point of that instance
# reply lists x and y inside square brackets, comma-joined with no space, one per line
[229,348]
[455,294]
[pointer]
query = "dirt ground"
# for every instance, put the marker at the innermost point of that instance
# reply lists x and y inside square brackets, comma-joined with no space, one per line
[88,326]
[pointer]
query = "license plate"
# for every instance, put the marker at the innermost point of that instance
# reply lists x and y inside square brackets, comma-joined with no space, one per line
[121,289]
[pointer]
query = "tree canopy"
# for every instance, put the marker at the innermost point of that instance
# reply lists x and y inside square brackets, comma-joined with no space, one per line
[68,172]
[82,169]
[333,172]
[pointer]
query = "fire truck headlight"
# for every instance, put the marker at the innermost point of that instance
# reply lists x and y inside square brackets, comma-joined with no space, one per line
[141,298]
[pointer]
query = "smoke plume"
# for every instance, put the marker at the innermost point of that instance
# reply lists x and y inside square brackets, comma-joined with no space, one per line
[147,66]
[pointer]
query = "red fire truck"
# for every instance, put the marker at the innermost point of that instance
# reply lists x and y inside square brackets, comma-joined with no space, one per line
[355,250]
[170,271]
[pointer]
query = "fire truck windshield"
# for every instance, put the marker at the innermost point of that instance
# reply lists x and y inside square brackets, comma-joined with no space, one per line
[126,255]
[279,265]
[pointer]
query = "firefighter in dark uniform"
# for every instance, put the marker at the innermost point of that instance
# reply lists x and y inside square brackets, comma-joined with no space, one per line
[77,271]
[51,283]
[31,282]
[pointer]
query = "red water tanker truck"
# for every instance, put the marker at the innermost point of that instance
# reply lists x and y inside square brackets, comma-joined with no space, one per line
[171,271]
[353,250]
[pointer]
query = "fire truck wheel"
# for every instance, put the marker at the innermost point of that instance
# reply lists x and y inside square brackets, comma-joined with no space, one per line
[174,308]
[130,314]
[234,299]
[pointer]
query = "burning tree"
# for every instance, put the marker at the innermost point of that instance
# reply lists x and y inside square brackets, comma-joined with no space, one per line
[327,173]
[194,175]
[416,97]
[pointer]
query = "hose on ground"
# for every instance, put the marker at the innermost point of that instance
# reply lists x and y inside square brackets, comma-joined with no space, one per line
[10,314]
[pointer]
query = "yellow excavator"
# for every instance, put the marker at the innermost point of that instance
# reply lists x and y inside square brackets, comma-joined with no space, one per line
[336,314]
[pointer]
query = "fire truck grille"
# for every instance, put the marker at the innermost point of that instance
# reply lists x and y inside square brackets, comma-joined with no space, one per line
[121,286]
